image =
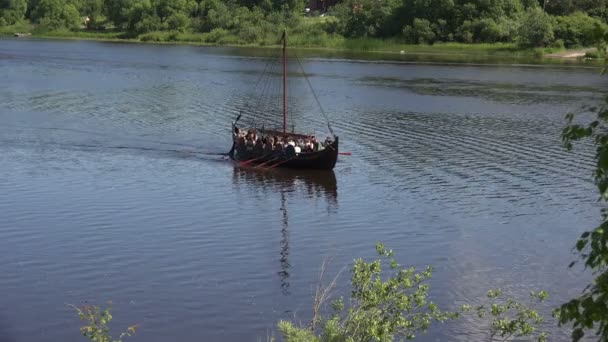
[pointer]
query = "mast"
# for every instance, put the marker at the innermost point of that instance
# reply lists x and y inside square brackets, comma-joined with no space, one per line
[284,81]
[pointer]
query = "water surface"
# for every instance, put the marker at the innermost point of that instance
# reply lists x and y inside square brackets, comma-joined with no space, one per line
[110,189]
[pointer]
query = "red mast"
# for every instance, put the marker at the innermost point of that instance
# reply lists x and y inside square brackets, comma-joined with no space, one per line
[284,81]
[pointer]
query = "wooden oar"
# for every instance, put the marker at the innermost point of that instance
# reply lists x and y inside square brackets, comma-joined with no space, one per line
[344,153]
[267,162]
[249,161]
[279,163]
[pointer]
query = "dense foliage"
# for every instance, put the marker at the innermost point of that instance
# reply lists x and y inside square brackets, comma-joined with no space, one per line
[569,23]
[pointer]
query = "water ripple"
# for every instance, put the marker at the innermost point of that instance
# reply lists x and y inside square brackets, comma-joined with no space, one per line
[114,189]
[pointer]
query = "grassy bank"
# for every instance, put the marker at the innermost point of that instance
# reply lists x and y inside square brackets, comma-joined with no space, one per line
[326,42]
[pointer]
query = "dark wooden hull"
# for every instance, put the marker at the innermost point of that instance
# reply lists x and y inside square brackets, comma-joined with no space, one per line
[321,160]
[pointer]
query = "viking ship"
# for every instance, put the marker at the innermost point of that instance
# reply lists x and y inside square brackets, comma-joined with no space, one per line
[270,148]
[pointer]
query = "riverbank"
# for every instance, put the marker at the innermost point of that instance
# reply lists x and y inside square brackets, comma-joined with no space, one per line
[373,48]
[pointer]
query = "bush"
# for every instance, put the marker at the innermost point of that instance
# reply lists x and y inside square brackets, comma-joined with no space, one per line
[465,32]
[382,305]
[250,34]
[389,303]
[535,28]
[309,35]
[157,36]
[216,35]
[558,44]
[178,22]
[147,24]
[420,32]
[592,54]
[509,318]
[486,31]
[365,18]
[442,31]
[576,29]
[190,37]
[330,26]
[97,321]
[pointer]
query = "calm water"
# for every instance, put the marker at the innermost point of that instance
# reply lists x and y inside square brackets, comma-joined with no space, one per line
[108,190]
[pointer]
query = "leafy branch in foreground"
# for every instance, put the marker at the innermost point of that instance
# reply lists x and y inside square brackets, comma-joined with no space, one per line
[377,310]
[509,318]
[97,324]
[590,309]
[388,302]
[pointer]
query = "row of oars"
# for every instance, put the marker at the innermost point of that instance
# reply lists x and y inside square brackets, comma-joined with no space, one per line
[269,164]
[265,165]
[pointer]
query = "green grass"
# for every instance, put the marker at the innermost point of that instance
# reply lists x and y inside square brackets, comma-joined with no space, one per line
[23,27]
[396,46]
[81,34]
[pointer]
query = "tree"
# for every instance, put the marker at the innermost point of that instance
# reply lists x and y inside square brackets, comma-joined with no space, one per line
[420,32]
[366,18]
[213,14]
[178,22]
[142,18]
[535,28]
[596,8]
[164,9]
[56,14]
[90,8]
[118,11]
[12,11]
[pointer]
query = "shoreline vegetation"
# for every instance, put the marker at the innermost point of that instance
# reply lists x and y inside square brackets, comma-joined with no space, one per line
[448,30]
[372,48]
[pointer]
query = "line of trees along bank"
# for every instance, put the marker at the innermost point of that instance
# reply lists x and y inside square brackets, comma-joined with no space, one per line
[558,23]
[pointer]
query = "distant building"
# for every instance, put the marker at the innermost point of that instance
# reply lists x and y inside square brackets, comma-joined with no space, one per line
[321,5]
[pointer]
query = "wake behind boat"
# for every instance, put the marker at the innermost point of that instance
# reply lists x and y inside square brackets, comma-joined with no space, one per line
[271,148]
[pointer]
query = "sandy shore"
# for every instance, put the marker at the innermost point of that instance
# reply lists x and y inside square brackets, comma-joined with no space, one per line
[570,53]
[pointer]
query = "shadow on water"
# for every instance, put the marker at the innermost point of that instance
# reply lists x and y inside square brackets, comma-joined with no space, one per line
[316,184]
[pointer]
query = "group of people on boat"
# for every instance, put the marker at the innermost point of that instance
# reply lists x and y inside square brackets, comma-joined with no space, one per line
[256,144]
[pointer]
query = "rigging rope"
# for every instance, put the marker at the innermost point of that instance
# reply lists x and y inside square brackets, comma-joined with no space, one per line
[264,93]
[270,92]
[265,74]
[264,102]
[315,96]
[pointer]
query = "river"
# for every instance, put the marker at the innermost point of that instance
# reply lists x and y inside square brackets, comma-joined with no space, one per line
[110,189]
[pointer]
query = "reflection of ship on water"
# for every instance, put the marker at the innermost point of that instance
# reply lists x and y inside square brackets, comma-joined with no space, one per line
[315,184]
[284,260]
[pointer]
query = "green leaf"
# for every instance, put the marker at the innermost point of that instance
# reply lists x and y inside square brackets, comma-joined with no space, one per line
[580,244]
